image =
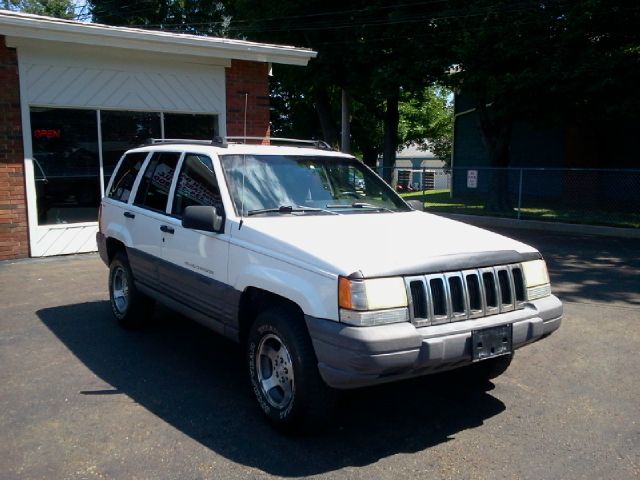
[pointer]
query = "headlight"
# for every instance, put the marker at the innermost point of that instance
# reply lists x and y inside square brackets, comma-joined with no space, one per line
[376,301]
[536,279]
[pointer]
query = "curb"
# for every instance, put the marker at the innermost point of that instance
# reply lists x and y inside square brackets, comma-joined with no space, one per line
[51,259]
[578,229]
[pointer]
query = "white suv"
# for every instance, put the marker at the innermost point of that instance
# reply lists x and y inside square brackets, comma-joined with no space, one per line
[322,272]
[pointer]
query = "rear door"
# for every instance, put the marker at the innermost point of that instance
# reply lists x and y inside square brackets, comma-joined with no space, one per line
[147,217]
[194,266]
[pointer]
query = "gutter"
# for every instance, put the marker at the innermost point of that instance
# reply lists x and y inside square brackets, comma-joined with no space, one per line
[19,25]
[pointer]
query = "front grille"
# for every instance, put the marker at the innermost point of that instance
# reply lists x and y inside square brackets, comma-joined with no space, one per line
[455,296]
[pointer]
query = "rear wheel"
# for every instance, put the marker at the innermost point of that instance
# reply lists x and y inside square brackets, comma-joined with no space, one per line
[284,371]
[131,308]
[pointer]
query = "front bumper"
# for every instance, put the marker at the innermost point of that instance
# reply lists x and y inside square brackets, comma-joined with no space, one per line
[350,357]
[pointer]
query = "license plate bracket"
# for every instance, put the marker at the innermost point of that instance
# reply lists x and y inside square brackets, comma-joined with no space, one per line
[491,342]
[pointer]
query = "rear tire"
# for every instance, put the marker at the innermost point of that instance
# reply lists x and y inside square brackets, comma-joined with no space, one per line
[284,374]
[131,308]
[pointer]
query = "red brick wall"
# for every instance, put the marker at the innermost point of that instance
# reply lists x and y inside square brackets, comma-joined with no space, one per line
[252,78]
[14,239]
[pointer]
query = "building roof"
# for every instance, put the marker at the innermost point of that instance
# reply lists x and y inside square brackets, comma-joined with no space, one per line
[413,151]
[22,25]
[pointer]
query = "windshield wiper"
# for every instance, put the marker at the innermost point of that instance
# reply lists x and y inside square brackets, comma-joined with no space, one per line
[285,209]
[360,205]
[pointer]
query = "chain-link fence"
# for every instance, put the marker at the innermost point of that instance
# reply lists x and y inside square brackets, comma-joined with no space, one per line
[417,179]
[572,195]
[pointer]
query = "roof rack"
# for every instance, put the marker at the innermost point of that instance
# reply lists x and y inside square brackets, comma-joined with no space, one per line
[224,141]
[319,144]
[162,141]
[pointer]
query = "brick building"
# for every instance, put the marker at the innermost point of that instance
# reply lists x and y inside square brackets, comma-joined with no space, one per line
[75,96]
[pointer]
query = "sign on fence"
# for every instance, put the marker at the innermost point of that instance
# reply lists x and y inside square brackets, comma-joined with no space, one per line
[472,179]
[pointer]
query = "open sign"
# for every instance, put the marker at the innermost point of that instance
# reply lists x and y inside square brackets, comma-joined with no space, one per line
[47,133]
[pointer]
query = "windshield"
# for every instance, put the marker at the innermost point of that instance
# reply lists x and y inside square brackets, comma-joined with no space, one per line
[276,184]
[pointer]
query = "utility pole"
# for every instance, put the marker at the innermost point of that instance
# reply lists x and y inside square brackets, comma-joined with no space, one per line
[345,143]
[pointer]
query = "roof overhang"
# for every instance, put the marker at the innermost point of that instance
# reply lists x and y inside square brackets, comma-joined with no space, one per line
[21,25]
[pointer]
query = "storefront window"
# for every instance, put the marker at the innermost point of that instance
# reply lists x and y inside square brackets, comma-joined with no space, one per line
[122,131]
[192,127]
[66,165]
[66,159]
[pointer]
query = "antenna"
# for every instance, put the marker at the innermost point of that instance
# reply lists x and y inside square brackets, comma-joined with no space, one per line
[246,102]
[244,169]
[244,160]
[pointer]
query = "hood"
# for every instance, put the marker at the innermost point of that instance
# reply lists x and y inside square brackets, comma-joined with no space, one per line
[377,244]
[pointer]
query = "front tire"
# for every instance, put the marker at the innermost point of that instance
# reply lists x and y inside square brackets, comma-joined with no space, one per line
[284,372]
[131,308]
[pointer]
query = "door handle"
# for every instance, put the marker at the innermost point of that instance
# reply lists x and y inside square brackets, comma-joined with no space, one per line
[129,215]
[166,229]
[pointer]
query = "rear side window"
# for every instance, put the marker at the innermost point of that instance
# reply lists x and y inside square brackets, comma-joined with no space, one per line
[153,191]
[126,175]
[197,185]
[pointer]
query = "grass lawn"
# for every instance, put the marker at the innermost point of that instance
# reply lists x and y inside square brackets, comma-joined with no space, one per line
[440,201]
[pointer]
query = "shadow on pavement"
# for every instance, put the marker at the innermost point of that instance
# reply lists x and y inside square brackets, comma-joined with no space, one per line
[195,381]
[588,268]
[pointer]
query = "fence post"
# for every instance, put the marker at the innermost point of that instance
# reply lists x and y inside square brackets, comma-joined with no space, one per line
[422,182]
[520,194]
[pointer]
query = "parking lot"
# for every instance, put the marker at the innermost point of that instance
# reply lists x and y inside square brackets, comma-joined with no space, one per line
[81,398]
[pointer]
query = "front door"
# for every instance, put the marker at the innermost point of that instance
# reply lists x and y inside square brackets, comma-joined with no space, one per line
[194,269]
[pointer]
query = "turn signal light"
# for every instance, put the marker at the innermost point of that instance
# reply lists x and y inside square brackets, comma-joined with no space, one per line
[344,293]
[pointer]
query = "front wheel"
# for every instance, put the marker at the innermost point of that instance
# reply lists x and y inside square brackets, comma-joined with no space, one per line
[284,371]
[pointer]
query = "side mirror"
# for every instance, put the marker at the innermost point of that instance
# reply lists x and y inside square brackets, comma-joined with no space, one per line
[416,205]
[198,217]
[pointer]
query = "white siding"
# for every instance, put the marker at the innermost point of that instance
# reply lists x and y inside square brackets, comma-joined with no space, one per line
[107,81]
[62,240]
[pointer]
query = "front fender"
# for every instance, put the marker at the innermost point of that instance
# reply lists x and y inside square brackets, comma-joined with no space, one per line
[315,294]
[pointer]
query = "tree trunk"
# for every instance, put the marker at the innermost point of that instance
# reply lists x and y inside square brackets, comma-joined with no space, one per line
[391,120]
[370,157]
[496,135]
[327,123]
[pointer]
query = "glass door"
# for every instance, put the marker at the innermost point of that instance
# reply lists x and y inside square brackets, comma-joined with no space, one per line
[66,165]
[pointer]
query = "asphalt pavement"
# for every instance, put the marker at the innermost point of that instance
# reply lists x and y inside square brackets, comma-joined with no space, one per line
[81,398]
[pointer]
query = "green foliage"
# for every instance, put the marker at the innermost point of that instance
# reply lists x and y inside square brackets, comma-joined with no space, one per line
[51,8]
[426,120]
[198,17]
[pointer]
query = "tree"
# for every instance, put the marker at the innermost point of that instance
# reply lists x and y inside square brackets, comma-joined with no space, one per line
[426,120]
[52,8]
[547,62]
[199,17]
[372,49]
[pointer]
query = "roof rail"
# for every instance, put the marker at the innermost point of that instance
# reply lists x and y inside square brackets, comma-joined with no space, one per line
[162,141]
[319,144]
[224,141]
